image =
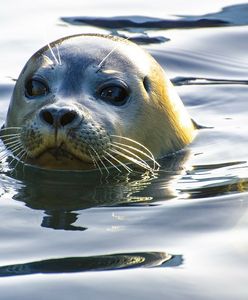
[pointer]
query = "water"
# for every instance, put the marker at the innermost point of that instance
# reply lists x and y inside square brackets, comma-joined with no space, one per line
[180,235]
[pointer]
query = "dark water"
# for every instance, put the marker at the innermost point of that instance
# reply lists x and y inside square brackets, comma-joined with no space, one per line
[181,234]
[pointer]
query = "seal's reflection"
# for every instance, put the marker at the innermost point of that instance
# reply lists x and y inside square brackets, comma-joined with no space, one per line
[61,194]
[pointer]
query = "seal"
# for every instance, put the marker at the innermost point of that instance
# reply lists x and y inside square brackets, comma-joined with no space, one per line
[94,101]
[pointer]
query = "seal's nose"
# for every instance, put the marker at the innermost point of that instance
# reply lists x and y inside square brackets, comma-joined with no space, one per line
[58,117]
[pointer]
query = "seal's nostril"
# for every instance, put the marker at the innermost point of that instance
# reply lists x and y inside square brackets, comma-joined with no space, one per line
[67,118]
[58,117]
[47,116]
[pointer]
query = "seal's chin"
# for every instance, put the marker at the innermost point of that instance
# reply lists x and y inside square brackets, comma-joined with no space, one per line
[60,159]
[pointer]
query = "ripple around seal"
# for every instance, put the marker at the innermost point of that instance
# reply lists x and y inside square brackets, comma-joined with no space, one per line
[214,180]
[108,262]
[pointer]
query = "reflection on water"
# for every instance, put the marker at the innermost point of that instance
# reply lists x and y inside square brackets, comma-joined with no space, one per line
[231,15]
[140,22]
[228,16]
[205,81]
[59,194]
[93,263]
[214,180]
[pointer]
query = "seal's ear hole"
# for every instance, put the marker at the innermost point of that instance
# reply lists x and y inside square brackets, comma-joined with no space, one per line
[147,84]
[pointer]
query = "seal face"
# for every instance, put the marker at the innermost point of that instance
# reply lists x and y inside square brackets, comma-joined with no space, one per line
[89,101]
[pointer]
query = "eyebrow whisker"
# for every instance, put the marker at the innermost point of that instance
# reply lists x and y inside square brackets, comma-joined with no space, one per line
[99,66]
[53,54]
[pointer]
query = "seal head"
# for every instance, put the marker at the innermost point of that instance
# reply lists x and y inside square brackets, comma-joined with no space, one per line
[89,101]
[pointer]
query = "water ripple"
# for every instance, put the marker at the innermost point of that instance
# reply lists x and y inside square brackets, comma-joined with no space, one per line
[93,263]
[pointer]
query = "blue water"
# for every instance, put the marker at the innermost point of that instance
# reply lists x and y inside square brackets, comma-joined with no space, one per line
[181,234]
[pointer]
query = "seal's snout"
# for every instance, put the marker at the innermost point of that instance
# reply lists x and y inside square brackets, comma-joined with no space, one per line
[59,117]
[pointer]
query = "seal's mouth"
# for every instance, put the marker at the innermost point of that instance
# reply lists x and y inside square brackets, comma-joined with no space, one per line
[60,153]
[61,159]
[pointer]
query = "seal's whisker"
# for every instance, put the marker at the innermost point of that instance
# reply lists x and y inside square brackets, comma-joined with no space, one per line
[103,164]
[129,170]
[7,141]
[133,154]
[9,137]
[112,164]
[14,158]
[135,142]
[13,147]
[12,143]
[8,144]
[20,157]
[4,155]
[58,52]
[16,148]
[99,158]
[7,128]
[95,163]
[20,154]
[135,149]
[139,151]
[139,144]
[53,54]
[99,66]
[138,163]
[103,60]
[93,159]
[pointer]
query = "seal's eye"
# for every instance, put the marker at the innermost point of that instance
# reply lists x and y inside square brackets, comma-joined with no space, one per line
[35,88]
[116,95]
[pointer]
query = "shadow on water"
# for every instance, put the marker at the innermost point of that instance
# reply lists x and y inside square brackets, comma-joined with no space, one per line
[94,263]
[233,15]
